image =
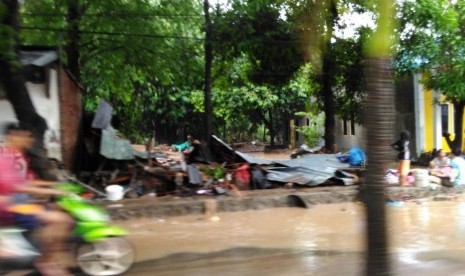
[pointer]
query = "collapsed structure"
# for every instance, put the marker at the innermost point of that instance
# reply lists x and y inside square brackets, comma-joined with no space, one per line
[213,167]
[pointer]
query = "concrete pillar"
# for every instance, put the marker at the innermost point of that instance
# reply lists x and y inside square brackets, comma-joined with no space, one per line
[419,106]
[437,121]
[291,134]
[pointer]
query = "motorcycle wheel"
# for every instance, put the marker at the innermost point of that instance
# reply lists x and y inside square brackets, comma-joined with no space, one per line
[111,256]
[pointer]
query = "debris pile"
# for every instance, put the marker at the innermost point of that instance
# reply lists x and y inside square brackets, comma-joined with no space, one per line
[212,168]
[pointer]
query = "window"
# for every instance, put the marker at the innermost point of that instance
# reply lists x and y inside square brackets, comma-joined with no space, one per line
[445,118]
[345,127]
[348,127]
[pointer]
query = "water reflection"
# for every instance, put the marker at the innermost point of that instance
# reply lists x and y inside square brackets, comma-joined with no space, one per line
[461,219]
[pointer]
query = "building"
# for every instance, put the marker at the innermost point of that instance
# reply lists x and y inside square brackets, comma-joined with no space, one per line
[56,97]
[409,115]
[424,113]
[438,117]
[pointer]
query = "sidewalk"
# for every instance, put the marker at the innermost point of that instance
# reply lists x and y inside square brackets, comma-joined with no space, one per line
[159,207]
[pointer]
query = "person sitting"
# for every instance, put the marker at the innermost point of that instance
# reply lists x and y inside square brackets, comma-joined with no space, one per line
[441,160]
[16,183]
[440,166]
[457,175]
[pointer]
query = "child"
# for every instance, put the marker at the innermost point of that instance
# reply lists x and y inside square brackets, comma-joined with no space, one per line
[402,146]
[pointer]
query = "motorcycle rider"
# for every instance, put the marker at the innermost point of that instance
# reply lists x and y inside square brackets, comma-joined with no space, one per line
[51,226]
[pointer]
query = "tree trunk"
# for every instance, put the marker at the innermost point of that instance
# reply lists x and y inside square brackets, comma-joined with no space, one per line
[225,128]
[458,123]
[327,81]
[72,49]
[378,119]
[271,129]
[208,72]
[328,104]
[285,130]
[13,84]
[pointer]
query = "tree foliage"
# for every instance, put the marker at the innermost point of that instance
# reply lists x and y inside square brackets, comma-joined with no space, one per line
[146,58]
[130,52]
[258,55]
[337,60]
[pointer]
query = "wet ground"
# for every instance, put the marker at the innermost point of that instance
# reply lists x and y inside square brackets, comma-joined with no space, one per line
[274,154]
[426,238]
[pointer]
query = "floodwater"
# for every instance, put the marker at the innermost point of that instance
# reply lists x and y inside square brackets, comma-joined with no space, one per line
[426,238]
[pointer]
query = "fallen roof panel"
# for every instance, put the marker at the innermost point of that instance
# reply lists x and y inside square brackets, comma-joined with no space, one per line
[254,160]
[310,169]
[323,161]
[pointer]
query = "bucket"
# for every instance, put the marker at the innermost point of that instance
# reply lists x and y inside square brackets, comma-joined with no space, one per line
[114,192]
[421,177]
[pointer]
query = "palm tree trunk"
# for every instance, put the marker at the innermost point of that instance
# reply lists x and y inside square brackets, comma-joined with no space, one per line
[378,120]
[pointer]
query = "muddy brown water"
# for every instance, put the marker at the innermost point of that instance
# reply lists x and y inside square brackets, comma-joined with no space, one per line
[426,238]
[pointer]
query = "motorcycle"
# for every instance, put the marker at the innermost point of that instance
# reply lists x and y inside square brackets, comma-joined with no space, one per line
[98,247]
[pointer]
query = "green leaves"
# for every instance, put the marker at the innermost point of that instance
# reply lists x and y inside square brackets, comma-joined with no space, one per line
[134,54]
[436,43]
[147,58]
[315,130]
[383,39]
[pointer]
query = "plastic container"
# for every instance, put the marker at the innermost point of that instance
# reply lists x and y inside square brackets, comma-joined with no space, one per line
[421,178]
[114,192]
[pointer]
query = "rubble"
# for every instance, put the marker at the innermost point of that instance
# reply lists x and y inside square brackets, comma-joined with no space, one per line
[210,169]
[191,168]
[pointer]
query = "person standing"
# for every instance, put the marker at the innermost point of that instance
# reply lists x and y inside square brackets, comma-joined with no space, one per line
[402,146]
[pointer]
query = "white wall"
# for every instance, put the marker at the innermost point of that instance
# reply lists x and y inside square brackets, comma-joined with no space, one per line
[47,107]
[419,107]
[345,142]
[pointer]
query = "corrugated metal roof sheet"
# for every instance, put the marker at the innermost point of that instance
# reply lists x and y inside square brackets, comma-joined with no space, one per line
[327,162]
[254,160]
[310,169]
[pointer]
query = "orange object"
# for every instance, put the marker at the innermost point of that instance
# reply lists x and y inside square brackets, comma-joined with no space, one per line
[404,167]
[88,195]
[26,209]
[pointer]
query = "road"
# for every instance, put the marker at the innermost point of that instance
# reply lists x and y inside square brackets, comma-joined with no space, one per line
[426,238]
